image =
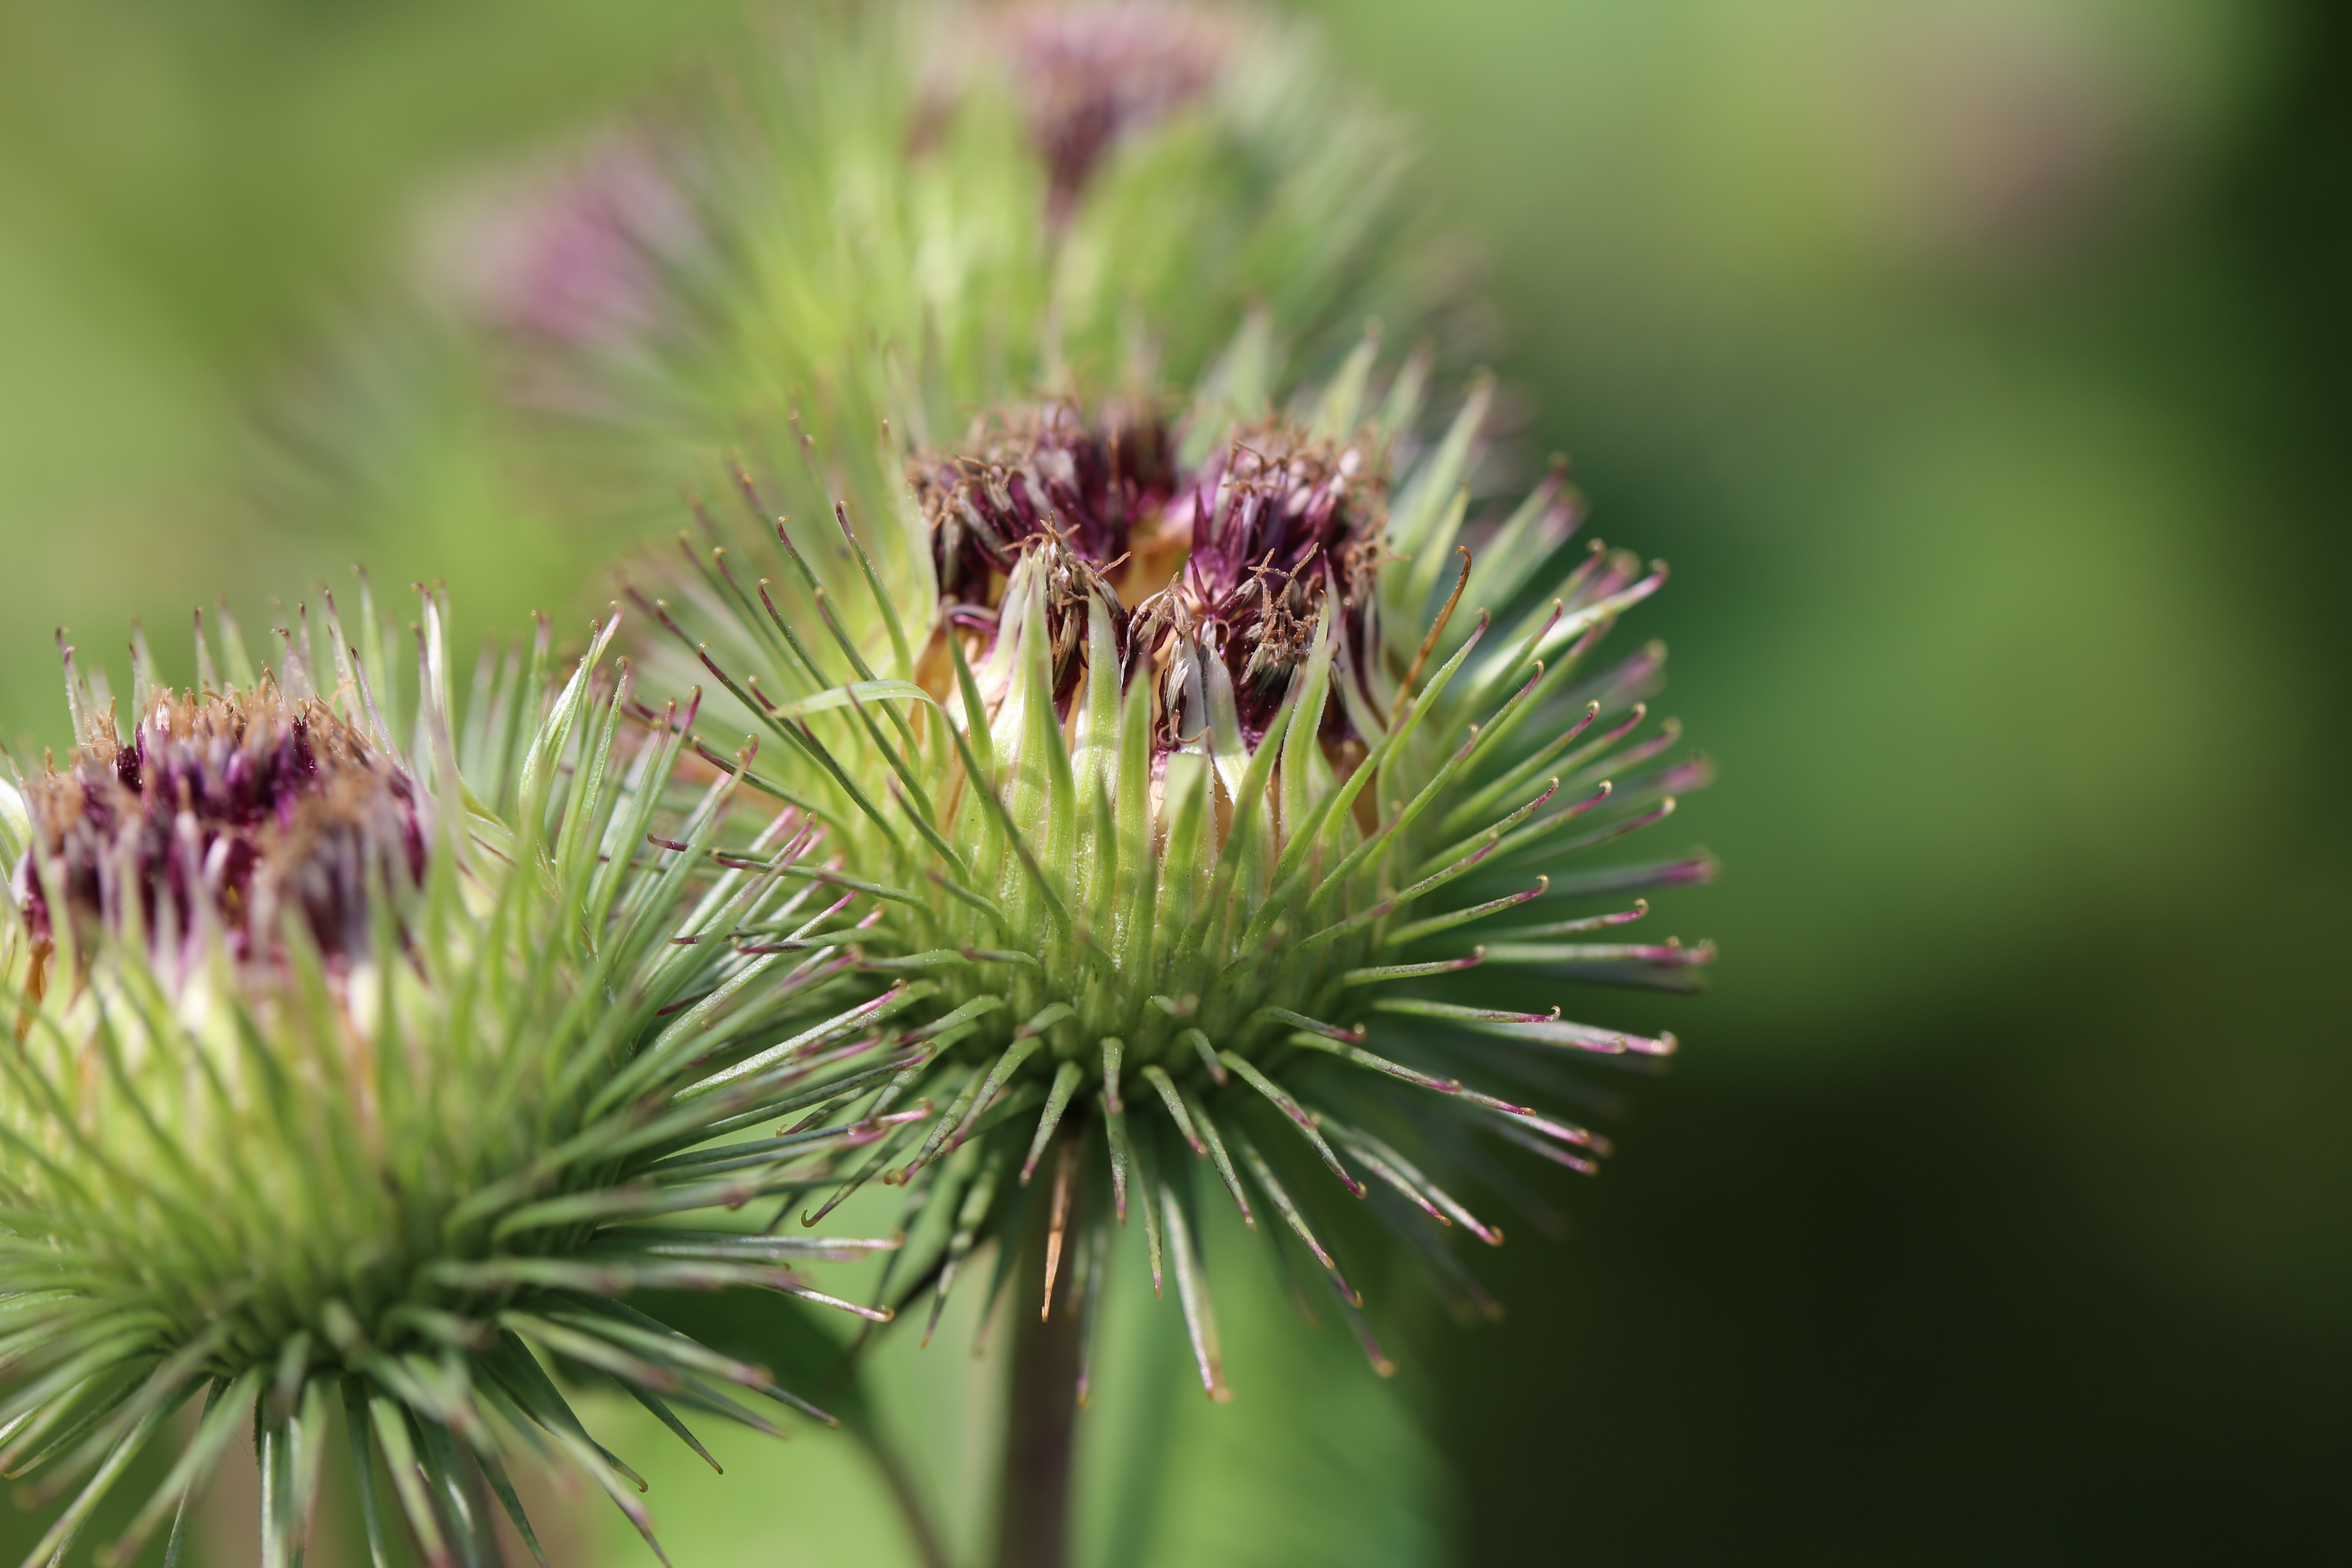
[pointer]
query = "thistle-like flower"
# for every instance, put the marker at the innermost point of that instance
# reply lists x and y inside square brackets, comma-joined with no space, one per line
[353,1081]
[1190,759]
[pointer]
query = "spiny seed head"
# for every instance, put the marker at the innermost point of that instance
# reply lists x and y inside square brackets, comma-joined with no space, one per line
[336,1073]
[1189,876]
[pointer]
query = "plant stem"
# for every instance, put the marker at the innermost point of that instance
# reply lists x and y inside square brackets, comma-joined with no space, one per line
[1032,1521]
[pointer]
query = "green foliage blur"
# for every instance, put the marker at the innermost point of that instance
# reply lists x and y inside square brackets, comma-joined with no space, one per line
[1979,366]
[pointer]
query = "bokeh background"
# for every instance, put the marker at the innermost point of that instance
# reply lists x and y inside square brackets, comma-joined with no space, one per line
[1982,366]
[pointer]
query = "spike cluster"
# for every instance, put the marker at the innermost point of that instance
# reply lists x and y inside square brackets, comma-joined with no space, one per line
[1188,877]
[345,1082]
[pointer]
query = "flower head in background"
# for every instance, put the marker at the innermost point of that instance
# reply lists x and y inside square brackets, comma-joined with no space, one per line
[349,1080]
[571,248]
[1087,76]
[1191,761]
[903,212]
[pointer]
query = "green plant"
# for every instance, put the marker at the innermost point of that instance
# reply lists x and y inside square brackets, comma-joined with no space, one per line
[1072,821]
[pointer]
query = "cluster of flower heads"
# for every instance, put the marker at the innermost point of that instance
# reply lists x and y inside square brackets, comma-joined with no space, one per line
[1189,876]
[1125,785]
[345,1081]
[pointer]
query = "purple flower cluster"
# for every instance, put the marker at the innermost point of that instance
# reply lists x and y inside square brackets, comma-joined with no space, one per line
[1235,557]
[223,812]
[1051,480]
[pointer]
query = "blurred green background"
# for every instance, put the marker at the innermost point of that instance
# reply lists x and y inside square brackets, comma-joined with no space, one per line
[1980,366]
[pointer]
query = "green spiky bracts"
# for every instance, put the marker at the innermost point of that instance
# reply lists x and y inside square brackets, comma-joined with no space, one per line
[1192,757]
[355,1064]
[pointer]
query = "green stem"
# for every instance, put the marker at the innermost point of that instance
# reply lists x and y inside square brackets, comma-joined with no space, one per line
[1032,1523]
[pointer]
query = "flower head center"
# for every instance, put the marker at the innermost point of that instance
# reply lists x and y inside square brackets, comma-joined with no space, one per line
[222,811]
[1234,556]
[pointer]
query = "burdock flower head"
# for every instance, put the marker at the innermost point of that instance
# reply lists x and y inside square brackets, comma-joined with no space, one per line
[349,1080]
[1088,74]
[1192,761]
[570,250]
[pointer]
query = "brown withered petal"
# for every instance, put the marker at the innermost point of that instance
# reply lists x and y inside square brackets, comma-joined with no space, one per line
[1277,518]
